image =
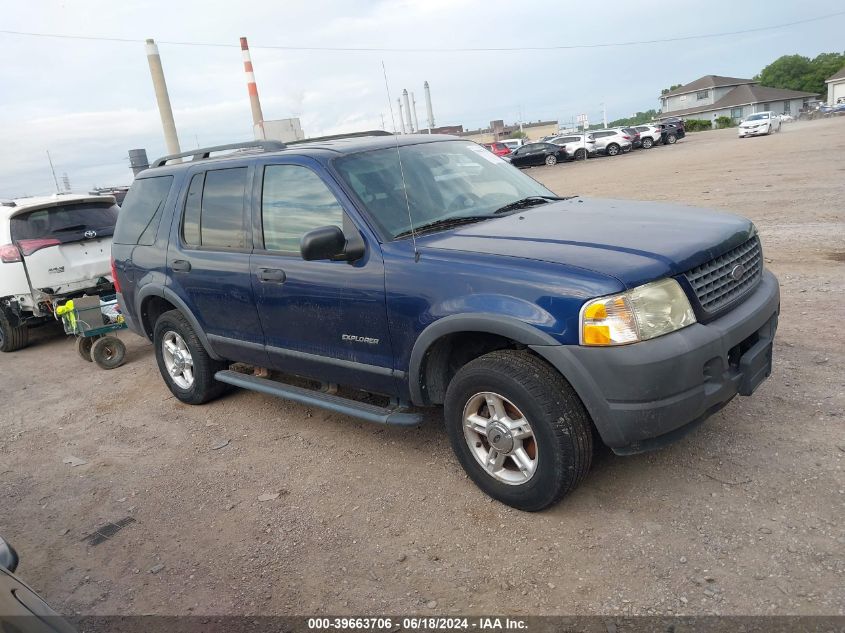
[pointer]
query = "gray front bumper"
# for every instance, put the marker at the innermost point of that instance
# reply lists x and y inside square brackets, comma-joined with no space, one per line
[645,395]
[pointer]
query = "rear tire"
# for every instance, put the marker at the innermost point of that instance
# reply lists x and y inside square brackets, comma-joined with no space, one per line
[647,143]
[671,139]
[12,338]
[612,149]
[551,160]
[172,327]
[536,401]
[108,352]
[84,345]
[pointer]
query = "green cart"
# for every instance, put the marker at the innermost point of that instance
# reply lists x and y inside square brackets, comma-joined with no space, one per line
[92,320]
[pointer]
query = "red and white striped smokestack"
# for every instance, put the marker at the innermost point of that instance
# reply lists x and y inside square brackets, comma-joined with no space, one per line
[254,103]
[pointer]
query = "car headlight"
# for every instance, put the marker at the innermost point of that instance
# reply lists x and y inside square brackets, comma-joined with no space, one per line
[648,311]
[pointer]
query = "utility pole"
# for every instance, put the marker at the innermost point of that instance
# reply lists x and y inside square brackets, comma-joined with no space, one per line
[383,127]
[55,180]
[604,114]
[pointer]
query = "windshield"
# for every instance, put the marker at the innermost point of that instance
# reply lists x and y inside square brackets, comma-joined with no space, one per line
[757,117]
[446,180]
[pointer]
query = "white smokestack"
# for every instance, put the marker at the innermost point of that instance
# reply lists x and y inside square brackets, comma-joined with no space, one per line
[429,112]
[401,116]
[407,111]
[414,110]
[171,140]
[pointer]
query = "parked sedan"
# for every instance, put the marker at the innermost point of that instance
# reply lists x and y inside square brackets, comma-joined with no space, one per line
[612,142]
[538,154]
[499,149]
[759,124]
[578,146]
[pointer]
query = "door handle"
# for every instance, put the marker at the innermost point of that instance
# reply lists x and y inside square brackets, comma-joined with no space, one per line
[180,266]
[275,275]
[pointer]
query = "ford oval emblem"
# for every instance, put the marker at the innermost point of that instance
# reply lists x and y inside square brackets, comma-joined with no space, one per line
[737,272]
[90,234]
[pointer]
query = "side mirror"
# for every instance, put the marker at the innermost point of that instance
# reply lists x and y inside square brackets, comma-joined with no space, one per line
[8,556]
[329,242]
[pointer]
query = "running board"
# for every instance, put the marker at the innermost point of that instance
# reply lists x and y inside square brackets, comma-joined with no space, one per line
[338,404]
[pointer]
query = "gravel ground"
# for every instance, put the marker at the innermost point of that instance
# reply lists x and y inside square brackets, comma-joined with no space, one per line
[743,516]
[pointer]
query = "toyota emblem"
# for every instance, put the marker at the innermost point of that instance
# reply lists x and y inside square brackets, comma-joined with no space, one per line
[737,272]
[90,234]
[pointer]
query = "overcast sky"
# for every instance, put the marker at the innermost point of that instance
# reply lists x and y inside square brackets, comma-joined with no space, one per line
[88,102]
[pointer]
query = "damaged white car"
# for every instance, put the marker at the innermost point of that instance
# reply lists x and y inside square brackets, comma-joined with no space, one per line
[51,249]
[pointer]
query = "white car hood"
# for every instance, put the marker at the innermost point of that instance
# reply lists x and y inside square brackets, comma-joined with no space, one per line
[747,124]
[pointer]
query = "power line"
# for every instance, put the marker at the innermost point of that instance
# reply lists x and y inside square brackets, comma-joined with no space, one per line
[354,49]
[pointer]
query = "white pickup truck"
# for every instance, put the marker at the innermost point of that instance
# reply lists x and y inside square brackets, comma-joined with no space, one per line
[51,249]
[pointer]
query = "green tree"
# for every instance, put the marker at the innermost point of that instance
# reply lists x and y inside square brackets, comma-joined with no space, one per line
[638,119]
[796,72]
[670,88]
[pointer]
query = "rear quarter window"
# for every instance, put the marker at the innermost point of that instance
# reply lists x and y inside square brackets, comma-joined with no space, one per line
[140,215]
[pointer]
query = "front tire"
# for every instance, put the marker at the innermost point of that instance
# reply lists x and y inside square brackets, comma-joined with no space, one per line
[12,338]
[108,352]
[184,363]
[580,154]
[518,429]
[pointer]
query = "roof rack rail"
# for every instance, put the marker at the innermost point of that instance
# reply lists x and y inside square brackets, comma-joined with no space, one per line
[334,137]
[205,152]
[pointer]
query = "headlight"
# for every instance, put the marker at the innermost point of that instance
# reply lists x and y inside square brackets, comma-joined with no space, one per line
[640,314]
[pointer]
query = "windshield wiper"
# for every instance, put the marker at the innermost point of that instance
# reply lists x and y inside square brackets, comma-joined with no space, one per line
[443,223]
[530,201]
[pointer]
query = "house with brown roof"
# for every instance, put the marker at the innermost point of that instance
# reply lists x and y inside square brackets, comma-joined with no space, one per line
[714,96]
[836,87]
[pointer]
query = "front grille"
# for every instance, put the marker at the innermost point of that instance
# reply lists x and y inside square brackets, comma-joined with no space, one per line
[714,283]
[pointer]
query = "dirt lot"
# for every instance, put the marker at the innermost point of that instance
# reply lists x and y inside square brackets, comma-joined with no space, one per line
[744,516]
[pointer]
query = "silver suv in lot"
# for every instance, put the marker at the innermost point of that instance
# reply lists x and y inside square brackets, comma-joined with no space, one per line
[578,146]
[649,135]
[612,142]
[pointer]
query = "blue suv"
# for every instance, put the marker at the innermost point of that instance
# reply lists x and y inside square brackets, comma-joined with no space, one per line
[424,271]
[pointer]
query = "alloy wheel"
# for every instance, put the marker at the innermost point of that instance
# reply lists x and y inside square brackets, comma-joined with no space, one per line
[178,360]
[500,438]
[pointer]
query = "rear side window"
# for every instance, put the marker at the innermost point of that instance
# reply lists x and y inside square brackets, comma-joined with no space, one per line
[214,209]
[141,212]
[294,200]
[67,223]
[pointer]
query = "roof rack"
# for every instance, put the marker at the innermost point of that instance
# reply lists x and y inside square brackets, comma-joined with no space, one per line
[205,152]
[335,137]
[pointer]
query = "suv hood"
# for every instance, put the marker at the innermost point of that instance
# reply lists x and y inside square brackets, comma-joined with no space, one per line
[635,242]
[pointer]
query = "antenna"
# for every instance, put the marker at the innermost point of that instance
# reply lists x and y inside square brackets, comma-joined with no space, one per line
[399,156]
[52,169]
